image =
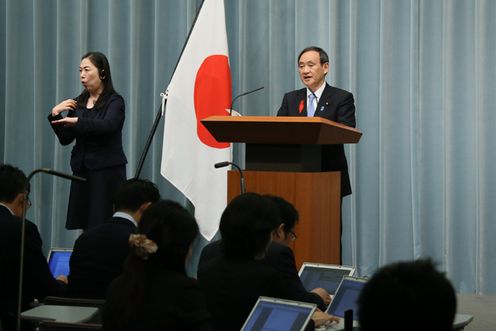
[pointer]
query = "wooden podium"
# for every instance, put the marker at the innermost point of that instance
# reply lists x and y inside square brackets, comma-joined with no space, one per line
[283,157]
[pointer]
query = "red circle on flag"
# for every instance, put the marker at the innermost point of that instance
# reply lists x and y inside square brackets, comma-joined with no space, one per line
[212,95]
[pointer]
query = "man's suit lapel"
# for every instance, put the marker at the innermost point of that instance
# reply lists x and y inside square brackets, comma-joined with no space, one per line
[324,101]
[301,100]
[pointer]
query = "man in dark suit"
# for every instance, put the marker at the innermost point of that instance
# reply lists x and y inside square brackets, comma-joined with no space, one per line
[99,253]
[320,99]
[38,281]
[279,255]
[234,280]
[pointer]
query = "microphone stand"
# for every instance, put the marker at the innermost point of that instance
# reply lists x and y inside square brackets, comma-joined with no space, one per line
[243,94]
[241,178]
[23,231]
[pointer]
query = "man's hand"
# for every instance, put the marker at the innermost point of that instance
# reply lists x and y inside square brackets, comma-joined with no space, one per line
[63,279]
[321,292]
[320,318]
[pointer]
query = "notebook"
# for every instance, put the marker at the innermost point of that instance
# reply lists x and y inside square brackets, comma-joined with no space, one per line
[327,276]
[58,261]
[279,315]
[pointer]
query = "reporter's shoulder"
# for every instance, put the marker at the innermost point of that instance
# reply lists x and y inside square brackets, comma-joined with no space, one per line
[31,226]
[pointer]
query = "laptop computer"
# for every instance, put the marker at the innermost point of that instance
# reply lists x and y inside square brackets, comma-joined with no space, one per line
[327,276]
[58,261]
[279,315]
[346,297]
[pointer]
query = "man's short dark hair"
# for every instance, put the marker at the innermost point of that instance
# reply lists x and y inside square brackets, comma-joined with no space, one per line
[324,58]
[246,225]
[407,296]
[12,182]
[135,192]
[289,214]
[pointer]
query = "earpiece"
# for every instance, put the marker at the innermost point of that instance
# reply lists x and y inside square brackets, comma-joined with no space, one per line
[102,74]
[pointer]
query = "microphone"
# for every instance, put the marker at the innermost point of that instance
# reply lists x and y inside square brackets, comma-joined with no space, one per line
[23,231]
[241,178]
[243,94]
[348,320]
[222,164]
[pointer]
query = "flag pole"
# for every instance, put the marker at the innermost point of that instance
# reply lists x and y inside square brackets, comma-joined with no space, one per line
[148,143]
[162,109]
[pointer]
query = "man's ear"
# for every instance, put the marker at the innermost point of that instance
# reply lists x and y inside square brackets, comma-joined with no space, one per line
[280,231]
[18,203]
[326,67]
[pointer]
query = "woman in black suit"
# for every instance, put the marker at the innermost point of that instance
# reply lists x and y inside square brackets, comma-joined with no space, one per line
[94,120]
[154,292]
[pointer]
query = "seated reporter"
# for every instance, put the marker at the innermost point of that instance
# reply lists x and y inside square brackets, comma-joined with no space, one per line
[234,280]
[279,255]
[99,253]
[38,281]
[154,292]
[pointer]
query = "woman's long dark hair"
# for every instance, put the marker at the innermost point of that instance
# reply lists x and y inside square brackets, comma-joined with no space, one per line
[100,61]
[173,229]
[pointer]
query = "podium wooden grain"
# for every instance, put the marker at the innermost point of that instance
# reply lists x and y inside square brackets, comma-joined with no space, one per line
[315,195]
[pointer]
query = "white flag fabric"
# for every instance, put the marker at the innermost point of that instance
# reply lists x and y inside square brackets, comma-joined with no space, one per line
[199,88]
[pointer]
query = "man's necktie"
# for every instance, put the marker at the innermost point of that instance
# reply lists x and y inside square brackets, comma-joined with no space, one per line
[311,105]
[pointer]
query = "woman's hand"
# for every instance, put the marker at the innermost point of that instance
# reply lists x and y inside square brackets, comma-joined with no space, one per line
[64,106]
[66,121]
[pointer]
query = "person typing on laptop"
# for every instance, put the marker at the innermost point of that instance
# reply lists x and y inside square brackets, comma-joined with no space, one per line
[236,278]
[279,255]
[38,281]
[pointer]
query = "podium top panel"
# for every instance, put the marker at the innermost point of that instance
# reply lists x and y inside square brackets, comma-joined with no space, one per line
[280,130]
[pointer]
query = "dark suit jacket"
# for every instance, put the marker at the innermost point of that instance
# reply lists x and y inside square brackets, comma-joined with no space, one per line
[233,286]
[172,302]
[98,257]
[283,259]
[279,257]
[98,135]
[38,281]
[336,105]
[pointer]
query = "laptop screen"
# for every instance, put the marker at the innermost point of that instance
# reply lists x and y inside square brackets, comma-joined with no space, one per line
[325,276]
[278,315]
[347,297]
[58,261]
